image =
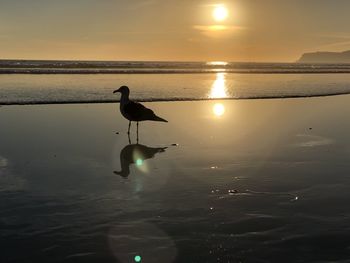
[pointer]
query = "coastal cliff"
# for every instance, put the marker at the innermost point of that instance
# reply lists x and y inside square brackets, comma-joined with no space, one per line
[325,57]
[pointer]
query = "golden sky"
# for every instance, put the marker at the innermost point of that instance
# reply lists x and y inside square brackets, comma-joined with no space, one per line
[181,30]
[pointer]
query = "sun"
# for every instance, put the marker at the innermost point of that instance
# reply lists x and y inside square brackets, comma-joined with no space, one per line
[220,13]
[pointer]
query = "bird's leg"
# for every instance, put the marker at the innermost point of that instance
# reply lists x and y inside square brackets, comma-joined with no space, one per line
[137,132]
[129,128]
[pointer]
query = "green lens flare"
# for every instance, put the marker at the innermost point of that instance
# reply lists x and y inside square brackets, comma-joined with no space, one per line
[137,258]
[139,162]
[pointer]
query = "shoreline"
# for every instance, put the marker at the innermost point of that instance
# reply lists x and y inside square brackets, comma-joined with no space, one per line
[171,100]
[260,168]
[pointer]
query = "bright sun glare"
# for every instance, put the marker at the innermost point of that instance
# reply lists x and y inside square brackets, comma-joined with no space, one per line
[218,89]
[220,13]
[219,109]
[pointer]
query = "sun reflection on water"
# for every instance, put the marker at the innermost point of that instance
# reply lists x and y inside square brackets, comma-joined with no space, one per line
[218,89]
[219,109]
[217,63]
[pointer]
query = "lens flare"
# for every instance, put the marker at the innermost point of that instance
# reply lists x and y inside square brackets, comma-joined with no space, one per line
[139,158]
[139,162]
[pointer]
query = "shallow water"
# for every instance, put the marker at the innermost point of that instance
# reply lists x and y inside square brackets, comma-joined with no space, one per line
[65,88]
[266,181]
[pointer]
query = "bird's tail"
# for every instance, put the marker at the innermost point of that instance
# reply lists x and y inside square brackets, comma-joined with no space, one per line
[156,118]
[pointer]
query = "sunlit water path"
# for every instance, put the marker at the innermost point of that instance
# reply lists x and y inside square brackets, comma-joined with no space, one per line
[69,88]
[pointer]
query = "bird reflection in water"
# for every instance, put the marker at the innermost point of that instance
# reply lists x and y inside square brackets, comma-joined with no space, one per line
[136,154]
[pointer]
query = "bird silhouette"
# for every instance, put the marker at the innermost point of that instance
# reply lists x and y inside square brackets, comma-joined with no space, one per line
[135,153]
[134,111]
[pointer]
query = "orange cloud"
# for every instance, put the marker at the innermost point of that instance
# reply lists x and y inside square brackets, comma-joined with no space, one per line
[217,30]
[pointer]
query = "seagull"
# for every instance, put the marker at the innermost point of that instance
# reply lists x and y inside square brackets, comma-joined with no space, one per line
[134,111]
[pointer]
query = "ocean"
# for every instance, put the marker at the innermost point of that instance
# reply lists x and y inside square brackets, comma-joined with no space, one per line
[44,82]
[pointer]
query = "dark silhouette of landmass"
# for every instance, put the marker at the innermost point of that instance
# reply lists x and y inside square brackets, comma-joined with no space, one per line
[325,57]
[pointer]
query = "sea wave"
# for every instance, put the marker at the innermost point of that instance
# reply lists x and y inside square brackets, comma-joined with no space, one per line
[161,67]
[174,71]
[94,88]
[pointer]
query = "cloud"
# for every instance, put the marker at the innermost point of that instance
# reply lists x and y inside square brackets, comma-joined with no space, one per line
[341,45]
[143,4]
[217,30]
[336,41]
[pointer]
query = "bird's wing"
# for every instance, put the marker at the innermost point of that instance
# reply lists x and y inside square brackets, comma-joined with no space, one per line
[137,111]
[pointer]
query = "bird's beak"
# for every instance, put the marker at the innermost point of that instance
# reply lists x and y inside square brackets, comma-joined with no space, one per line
[118,90]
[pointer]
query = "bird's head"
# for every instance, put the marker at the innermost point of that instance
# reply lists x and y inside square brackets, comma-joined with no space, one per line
[122,90]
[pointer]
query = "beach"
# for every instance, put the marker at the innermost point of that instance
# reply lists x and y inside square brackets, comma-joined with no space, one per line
[262,180]
[239,150]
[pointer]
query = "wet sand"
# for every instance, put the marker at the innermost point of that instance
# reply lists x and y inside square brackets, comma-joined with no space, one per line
[268,180]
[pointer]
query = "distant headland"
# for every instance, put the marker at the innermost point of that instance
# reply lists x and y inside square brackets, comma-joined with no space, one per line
[325,57]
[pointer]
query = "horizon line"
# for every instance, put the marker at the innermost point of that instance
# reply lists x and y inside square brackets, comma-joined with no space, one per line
[174,61]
